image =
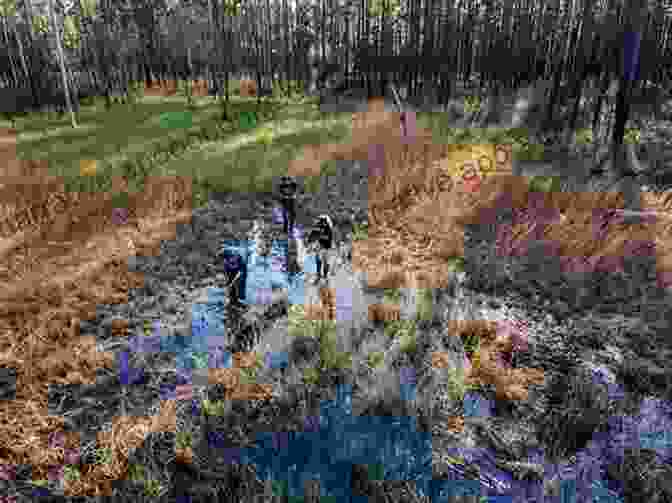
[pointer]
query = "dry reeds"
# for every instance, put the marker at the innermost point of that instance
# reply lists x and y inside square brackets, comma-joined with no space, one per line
[159,88]
[384,312]
[56,222]
[418,208]
[8,160]
[229,378]
[199,88]
[61,257]
[325,310]
[248,88]
[510,384]
[237,390]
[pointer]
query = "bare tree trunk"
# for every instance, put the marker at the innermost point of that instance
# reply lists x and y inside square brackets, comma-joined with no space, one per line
[61,61]
[213,45]
[622,113]
[28,5]
[323,34]
[12,63]
[228,64]
[188,80]
[88,29]
[22,55]
[148,73]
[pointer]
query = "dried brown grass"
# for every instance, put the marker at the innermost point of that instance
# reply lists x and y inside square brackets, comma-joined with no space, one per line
[159,88]
[230,379]
[248,88]
[510,384]
[61,256]
[325,309]
[199,88]
[384,312]
[413,226]
[418,211]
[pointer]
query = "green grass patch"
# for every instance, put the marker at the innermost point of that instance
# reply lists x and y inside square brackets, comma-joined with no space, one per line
[136,472]
[360,231]
[392,295]
[544,184]
[443,132]
[472,104]
[71,473]
[456,264]
[103,455]
[153,488]
[297,324]
[214,407]
[183,439]
[471,343]
[632,136]
[455,461]
[162,137]
[375,359]
[160,154]
[425,304]
[330,357]
[404,330]
[312,183]
[311,376]
[456,385]
[200,359]
[175,120]
[584,136]
[250,162]
[325,332]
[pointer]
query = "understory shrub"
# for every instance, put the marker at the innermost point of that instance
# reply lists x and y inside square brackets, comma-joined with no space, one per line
[578,409]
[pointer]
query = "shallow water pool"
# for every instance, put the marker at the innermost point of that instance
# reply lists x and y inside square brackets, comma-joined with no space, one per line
[262,275]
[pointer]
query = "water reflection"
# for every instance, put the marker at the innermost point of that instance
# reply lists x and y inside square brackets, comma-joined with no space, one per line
[213,319]
[261,275]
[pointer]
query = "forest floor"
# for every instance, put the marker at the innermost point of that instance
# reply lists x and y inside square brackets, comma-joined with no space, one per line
[144,278]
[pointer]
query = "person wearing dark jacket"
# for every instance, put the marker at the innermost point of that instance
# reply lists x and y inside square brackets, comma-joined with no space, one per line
[287,191]
[236,273]
[321,238]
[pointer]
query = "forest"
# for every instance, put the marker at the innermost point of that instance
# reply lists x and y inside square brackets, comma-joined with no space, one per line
[56,54]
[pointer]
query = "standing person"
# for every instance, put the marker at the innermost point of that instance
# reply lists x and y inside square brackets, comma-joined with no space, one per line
[287,190]
[322,238]
[236,274]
